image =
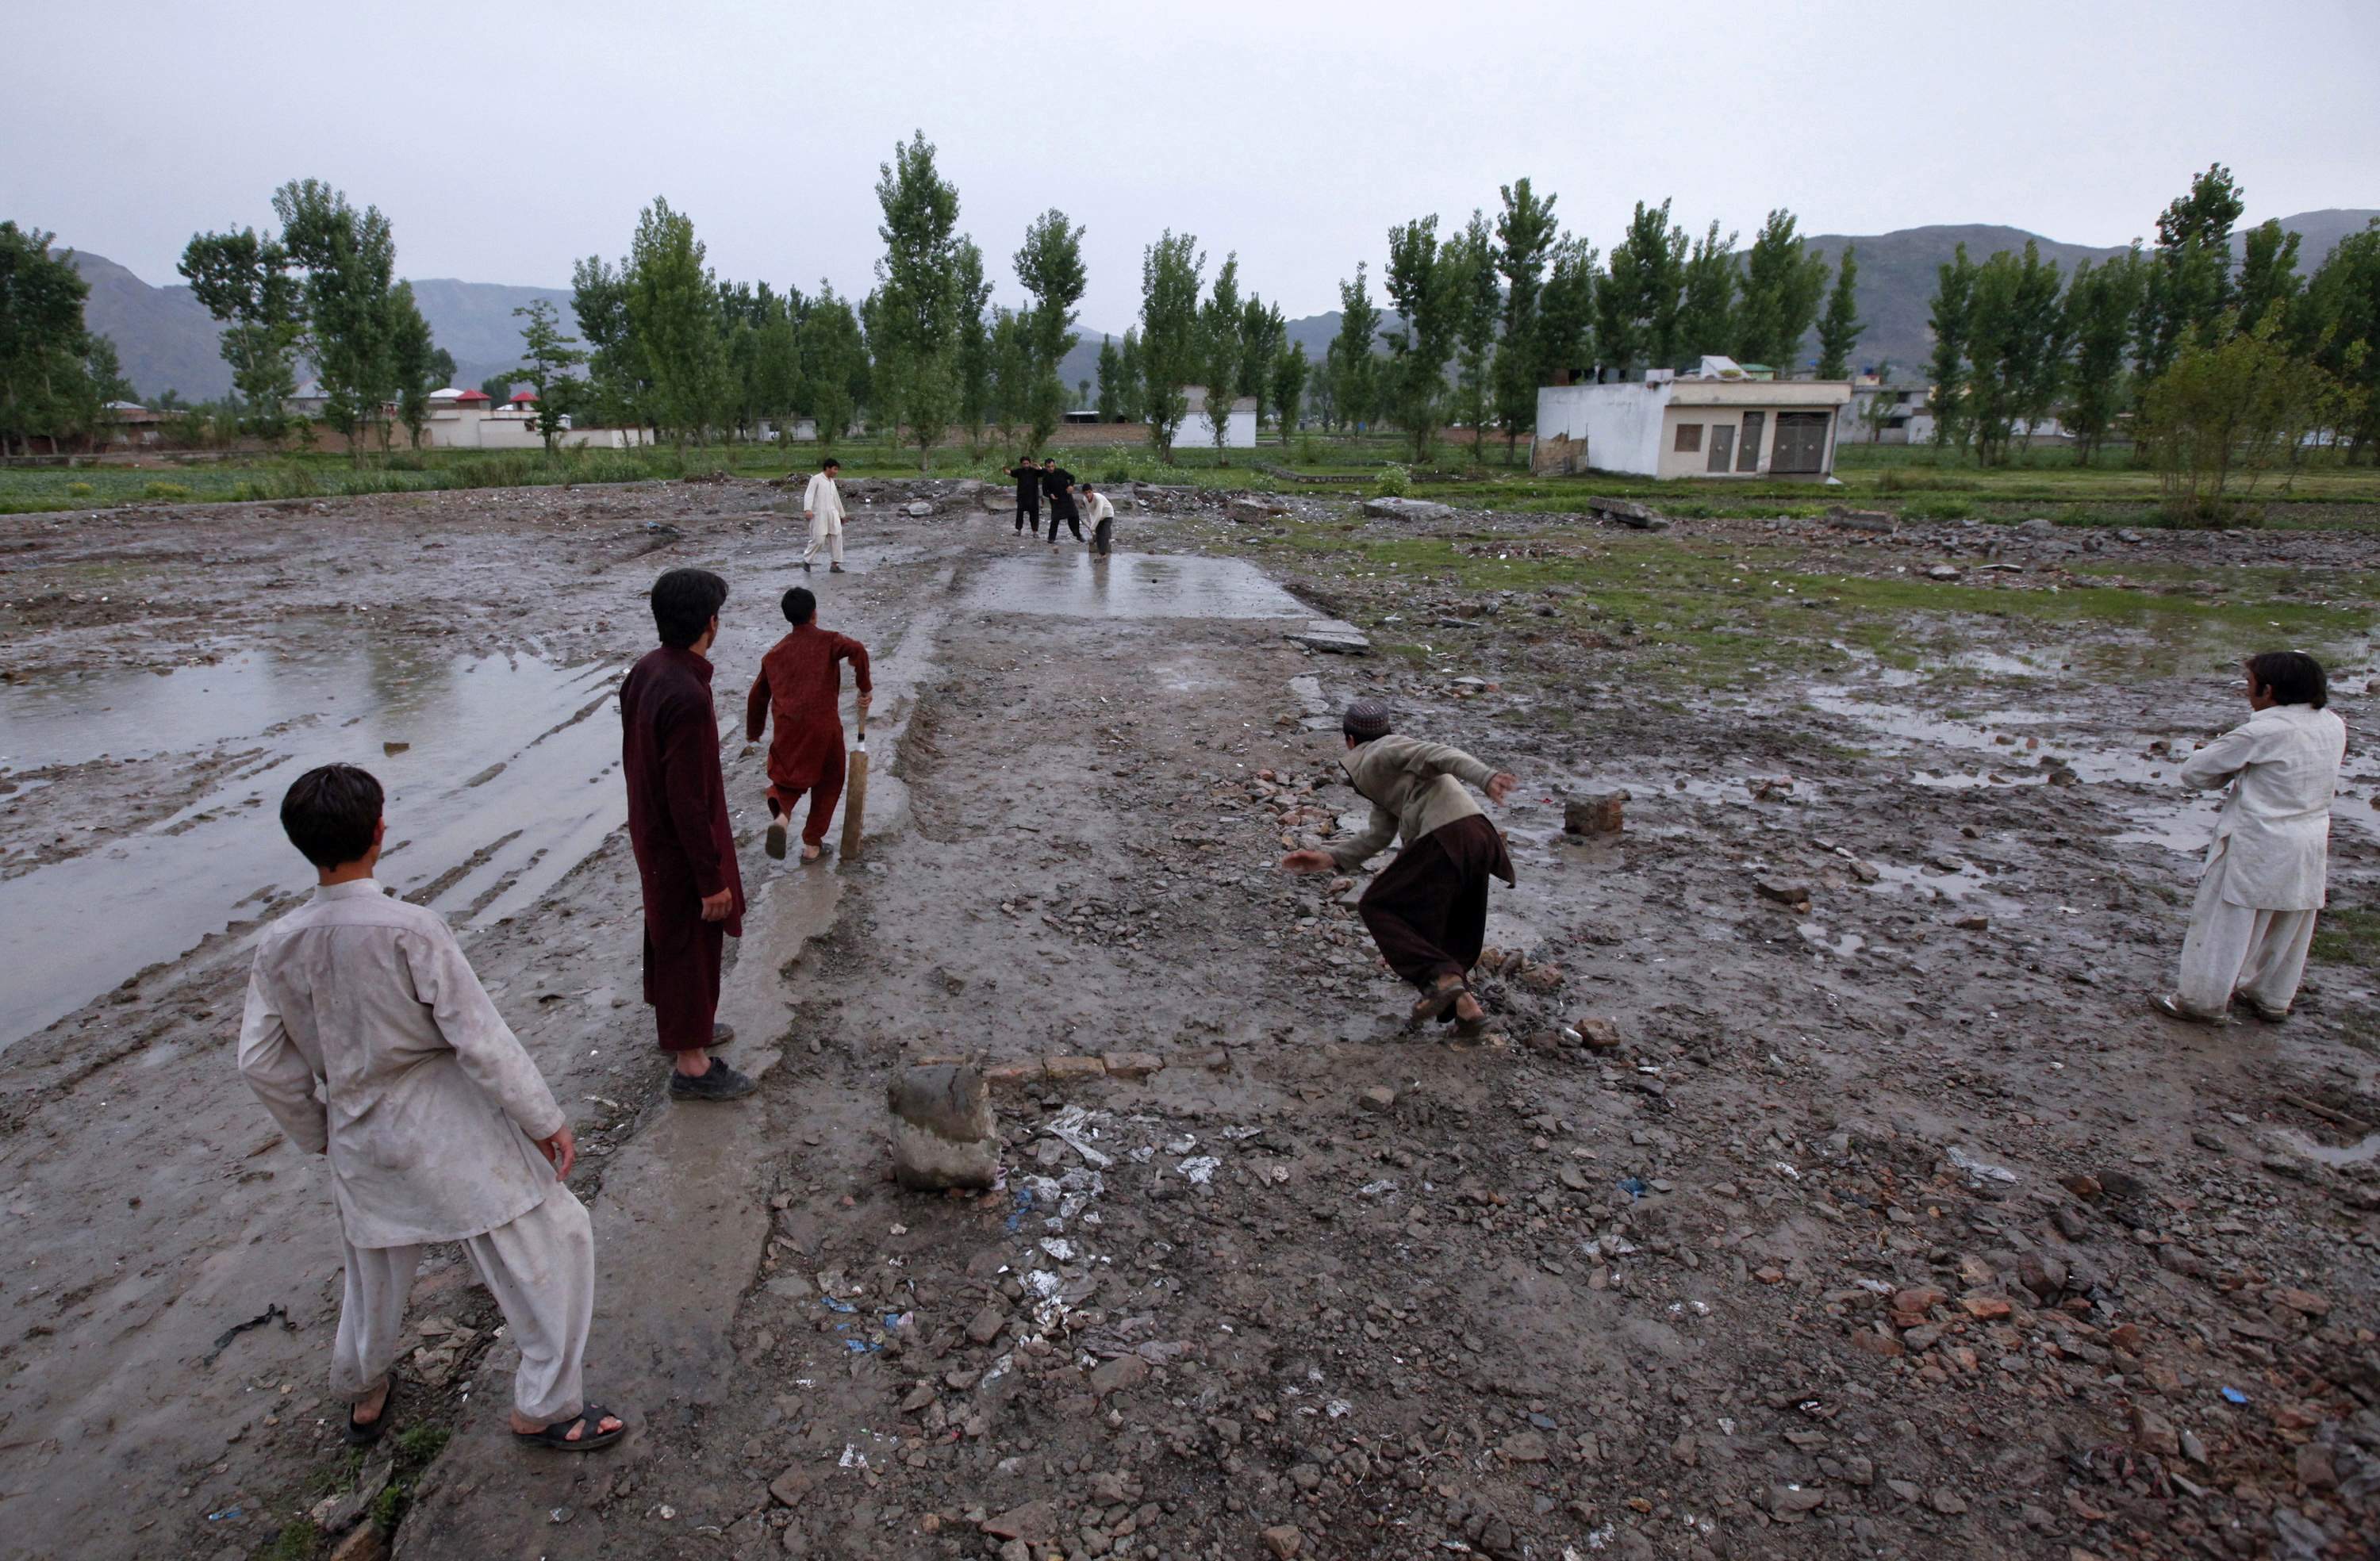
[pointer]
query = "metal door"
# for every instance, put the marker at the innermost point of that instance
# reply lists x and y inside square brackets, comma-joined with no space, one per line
[1722,447]
[1747,454]
[1800,444]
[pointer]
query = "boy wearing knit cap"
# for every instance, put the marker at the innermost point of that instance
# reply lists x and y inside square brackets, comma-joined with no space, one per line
[1428,910]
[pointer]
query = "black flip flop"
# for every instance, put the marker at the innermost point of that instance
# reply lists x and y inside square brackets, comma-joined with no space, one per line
[1436,1004]
[558,1438]
[362,1436]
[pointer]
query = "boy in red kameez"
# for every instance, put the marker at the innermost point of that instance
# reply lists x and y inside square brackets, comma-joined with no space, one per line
[802,684]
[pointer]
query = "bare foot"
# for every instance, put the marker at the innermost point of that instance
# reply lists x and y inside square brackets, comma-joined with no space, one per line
[367,1409]
[809,851]
[1467,1010]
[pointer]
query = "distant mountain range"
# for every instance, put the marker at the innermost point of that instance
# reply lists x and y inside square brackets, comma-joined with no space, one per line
[166,340]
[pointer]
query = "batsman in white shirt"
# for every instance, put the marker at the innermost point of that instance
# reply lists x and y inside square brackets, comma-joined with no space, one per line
[822,507]
[2253,919]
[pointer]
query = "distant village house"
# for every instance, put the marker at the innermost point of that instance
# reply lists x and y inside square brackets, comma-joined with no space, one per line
[1722,420]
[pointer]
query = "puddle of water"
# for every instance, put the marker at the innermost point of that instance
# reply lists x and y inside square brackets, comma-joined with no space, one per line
[511,767]
[1066,582]
[2362,1153]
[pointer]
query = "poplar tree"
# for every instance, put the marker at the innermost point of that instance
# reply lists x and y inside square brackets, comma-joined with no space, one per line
[1524,230]
[2189,277]
[2342,305]
[1477,302]
[974,350]
[1131,395]
[1424,284]
[1782,285]
[2268,272]
[1111,402]
[1051,268]
[912,315]
[55,375]
[1262,331]
[1171,270]
[1352,370]
[350,259]
[1219,330]
[1636,306]
[410,352]
[1706,298]
[1839,329]
[1954,287]
[2101,301]
[674,316]
[599,300]
[834,377]
[1289,373]
[246,284]
[1567,314]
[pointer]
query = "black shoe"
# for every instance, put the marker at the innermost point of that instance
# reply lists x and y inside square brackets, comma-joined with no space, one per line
[838,569]
[721,1083]
[720,1035]
[805,566]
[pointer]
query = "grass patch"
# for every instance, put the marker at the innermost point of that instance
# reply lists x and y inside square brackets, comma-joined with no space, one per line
[2348,935]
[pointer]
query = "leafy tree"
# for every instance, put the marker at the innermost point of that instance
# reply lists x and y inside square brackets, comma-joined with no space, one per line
[1050,267]
[2342,307]
[912,315]
[1131,392]
[1423,285]
[675,318]
[2269,271]
[1262,331]
[974,343]
[1524,232]
[1477,301]
[1567,313]
[1954,290]
[547,358]
[599,300]
[350,259]
[1637,306]
[2015,348]
[2189,279]
[55,375]
[1289,373]
[1171,270]
[1839,327]
[775,389]
[441,368]
[1011,372]
[245,282]
[2232,401]
[1352,370]
[1110,404]
[416,373]
[834,365]
[1782,285]
[2100,303]
[1218,330]
[1706,298]
[498,387]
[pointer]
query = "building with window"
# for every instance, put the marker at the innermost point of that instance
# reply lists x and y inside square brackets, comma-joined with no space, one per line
[1718,422]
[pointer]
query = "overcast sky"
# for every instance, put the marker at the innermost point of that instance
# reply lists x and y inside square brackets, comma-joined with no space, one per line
[504,139]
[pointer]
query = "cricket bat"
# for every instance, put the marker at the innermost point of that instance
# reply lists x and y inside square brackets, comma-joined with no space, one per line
[855,793]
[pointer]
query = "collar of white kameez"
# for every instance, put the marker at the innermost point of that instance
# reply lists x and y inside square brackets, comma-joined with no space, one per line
[353,889]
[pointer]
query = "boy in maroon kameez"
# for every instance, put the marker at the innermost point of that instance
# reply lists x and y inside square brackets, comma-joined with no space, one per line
[801,682]
[677,826]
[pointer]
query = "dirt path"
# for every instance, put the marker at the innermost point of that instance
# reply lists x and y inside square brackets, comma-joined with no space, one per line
[1880,1232]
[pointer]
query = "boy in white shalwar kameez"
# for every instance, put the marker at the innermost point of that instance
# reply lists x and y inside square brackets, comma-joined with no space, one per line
[372,1044]
[2253,919]
[822,507]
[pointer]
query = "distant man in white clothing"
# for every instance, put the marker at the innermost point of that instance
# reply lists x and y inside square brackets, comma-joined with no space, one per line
[372,1044]
[822,507]
[2253,919]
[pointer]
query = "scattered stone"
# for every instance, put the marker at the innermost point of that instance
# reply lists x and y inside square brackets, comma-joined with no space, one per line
[918,507]
[1072,1069]
[943,1132]
[1787,1499]
[1628,513]
[1283,1541]
[789,1488]
[2154,1432]
[1918,1300]
[1116,1375]
[365,1545]
[2305,1302]
[1863,520]
[1526,1447]
[1944,572]
[1407,509]
[1599,1035]
[1947,1502]
[1132,1064]
[1035,1522]
[1333,637]
[987,1324]
[1786,891]
[1377,1097]
[1598,813]
[1986,1308]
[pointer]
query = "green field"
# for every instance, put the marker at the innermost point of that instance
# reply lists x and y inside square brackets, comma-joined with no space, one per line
[1918,484]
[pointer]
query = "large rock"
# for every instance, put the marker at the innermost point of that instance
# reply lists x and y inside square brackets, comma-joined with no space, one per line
[1331,634]
[1407,509]
[1254,508]
[1596,813]
[943,1133]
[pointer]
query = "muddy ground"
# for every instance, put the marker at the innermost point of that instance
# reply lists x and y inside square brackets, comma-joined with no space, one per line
[1885,1221]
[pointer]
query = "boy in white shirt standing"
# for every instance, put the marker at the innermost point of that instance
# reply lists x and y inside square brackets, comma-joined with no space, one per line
[372,1044]
[2253,919]
[822,507]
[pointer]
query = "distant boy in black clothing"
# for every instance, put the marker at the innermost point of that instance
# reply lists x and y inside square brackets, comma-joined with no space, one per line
[1059,484]
[1028,494]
